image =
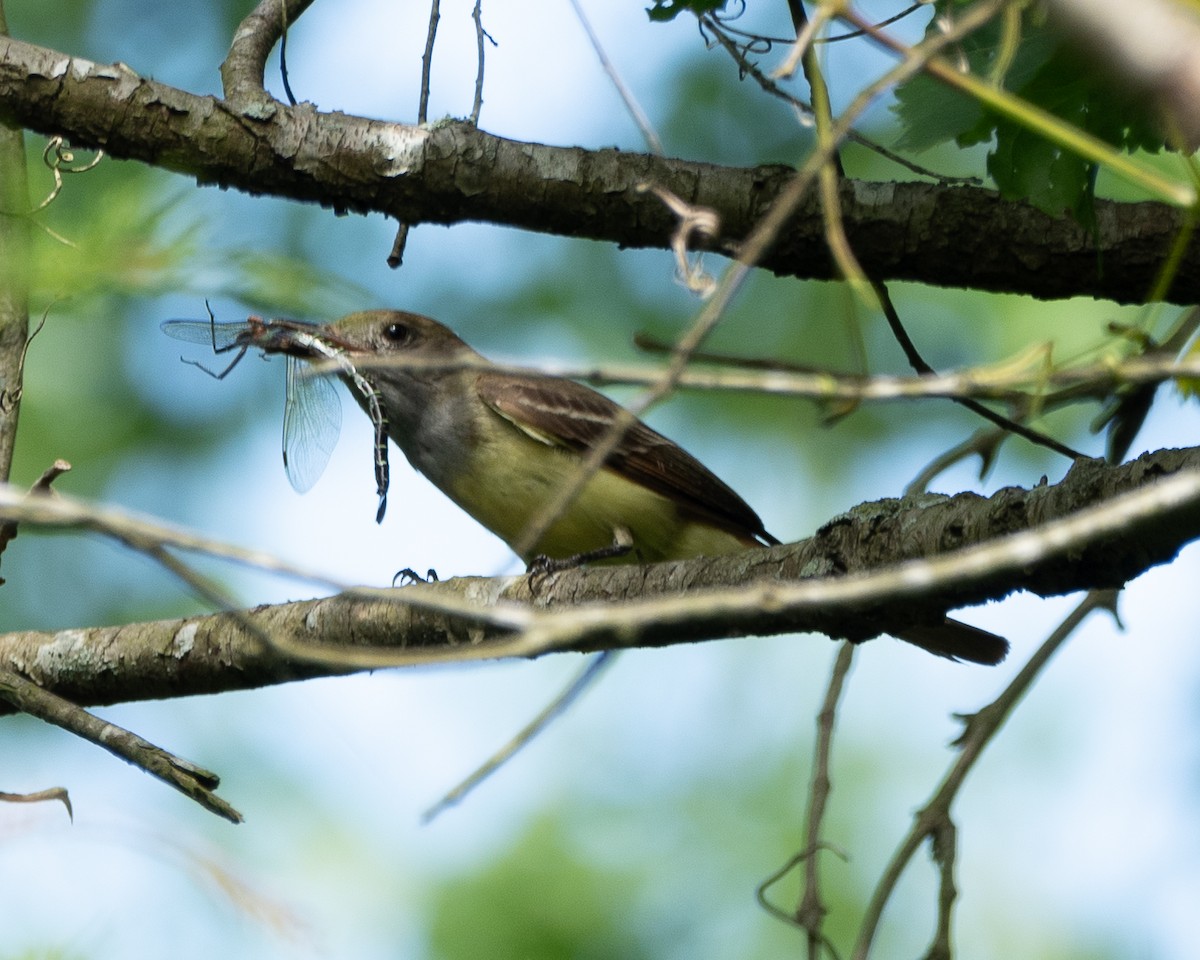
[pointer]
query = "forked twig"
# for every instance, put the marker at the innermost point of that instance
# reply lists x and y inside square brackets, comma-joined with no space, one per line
[933,820]
[809,914]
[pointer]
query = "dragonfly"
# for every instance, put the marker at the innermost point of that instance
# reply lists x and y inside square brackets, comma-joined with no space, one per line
[312,411]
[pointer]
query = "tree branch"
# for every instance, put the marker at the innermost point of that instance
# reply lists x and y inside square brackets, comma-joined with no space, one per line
[452,172]
[244,68]
[188,778]
[14,280]
[862,574]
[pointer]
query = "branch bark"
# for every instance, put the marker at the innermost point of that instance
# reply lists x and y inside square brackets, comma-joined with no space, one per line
[452,172]
[14,281]
[207,654]
[243,70]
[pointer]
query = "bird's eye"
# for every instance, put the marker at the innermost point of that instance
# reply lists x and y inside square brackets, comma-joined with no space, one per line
[398,333]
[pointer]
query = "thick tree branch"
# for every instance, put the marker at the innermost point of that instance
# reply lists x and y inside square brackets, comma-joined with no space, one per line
[681,602]
[243,70]
[451,172]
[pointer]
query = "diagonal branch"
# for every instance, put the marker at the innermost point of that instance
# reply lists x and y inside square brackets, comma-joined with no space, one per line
[188,778]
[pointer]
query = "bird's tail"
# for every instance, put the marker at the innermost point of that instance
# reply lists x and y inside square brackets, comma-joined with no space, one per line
[958,641]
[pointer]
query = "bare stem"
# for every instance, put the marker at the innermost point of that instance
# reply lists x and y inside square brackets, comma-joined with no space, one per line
[427,60]
[14,280]
[186,777]
[810,913]
[933,820]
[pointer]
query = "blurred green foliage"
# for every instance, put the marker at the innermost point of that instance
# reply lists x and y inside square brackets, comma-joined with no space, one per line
[116,239]
[741,126]
[1028,58]
[539,901]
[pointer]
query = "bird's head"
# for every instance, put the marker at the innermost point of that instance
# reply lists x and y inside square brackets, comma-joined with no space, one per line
[371,338]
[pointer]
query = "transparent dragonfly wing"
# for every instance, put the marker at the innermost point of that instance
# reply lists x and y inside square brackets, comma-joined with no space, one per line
[222,336]
[312,420]
[312,410]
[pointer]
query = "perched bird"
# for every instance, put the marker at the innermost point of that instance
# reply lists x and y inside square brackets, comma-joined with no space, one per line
[502,444]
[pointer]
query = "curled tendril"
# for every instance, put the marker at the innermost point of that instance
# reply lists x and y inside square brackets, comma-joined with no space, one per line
[58,157]
[762,44]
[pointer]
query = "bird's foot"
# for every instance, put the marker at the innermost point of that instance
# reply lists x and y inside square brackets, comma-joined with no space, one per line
[409,575]
[621,546]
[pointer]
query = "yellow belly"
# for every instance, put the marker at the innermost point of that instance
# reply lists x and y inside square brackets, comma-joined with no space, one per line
[521,480]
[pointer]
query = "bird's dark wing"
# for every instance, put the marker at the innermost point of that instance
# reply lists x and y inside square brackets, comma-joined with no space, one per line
[568,414]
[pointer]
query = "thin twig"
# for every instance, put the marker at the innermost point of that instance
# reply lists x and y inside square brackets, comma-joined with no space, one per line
[283,70]
[427,60]
[918,363]
[395,256]
[1024,379]
[816,82]
[980,730]
[40,796]
[69,512]
[186,777]
[886,22]
[810,913]
[767,42]
[943,848]
[480,36]
[573,691]
[828,183]
[631,104]
[8,528]
[774,89]
[806,32]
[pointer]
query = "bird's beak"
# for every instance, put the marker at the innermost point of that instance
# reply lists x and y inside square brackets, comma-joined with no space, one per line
[333,338]
[298,339]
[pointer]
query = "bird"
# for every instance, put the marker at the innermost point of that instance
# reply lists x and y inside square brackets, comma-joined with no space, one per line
[502,444]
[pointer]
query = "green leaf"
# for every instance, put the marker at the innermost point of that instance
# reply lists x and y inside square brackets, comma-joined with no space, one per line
[932,113]
[1049,74]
